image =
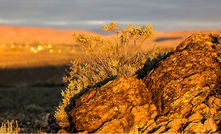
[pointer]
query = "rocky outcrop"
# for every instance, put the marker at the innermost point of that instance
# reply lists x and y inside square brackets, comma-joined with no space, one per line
[202,119]
[119,106]
[186,76]
[179,95]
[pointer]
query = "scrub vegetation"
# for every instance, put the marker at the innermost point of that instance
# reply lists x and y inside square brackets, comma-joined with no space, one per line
[99,61]
[105,60]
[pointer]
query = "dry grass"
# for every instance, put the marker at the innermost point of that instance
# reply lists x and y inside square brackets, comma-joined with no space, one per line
[9,128]
[29,106]
[106,59]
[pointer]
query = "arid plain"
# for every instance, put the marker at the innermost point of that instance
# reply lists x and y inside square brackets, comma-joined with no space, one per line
[16,44]
[34,60]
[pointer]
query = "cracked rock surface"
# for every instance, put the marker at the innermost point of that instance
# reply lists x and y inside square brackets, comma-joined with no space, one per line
[123,102]
[179,95]
[186,76]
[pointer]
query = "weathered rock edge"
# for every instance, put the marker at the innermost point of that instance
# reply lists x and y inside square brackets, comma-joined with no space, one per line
[122,102]
[178,86]
[186,76]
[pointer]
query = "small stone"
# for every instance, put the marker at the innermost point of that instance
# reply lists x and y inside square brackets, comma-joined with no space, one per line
[210,125]
[172,115]
[196,117]
[161,124]
[217,103]
[161,119]
[210,101]
[185,110]
[176,124]
[201,108]
[171,130]
[217,117]
[150,127]
[161,129]
[44,122]
[212,111]
[62,131]
[85,132]
[218,132]
[40,132]
[195,128]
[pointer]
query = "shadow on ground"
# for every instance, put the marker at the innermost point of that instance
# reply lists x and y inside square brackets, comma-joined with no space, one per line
[31,89]
[35,76]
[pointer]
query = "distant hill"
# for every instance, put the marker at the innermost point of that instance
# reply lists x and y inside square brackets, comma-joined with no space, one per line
[16,34]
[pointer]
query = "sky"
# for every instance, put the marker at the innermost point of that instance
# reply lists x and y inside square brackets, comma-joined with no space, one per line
[164,15]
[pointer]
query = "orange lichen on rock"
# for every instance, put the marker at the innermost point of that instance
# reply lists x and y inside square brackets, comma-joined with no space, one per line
[186,76]
[177,96]
[123,102]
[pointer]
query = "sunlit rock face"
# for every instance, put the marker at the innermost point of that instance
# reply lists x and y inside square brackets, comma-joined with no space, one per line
[186,76]
[117,107]
[181,94]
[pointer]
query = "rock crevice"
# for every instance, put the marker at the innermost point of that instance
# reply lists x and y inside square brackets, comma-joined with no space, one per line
[177,95]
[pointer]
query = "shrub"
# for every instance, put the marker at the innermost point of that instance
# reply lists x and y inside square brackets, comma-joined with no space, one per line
[105,59]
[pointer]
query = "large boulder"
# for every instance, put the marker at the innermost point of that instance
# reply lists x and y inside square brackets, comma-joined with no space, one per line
[186,76]
[180,94]
[120,106]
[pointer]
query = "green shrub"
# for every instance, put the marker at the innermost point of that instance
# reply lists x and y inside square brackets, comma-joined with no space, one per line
[105,59]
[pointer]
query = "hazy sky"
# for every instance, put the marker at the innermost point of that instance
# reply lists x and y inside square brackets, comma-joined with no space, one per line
[164,15]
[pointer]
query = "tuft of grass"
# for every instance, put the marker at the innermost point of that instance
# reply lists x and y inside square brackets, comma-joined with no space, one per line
[8,127]
[105,59]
